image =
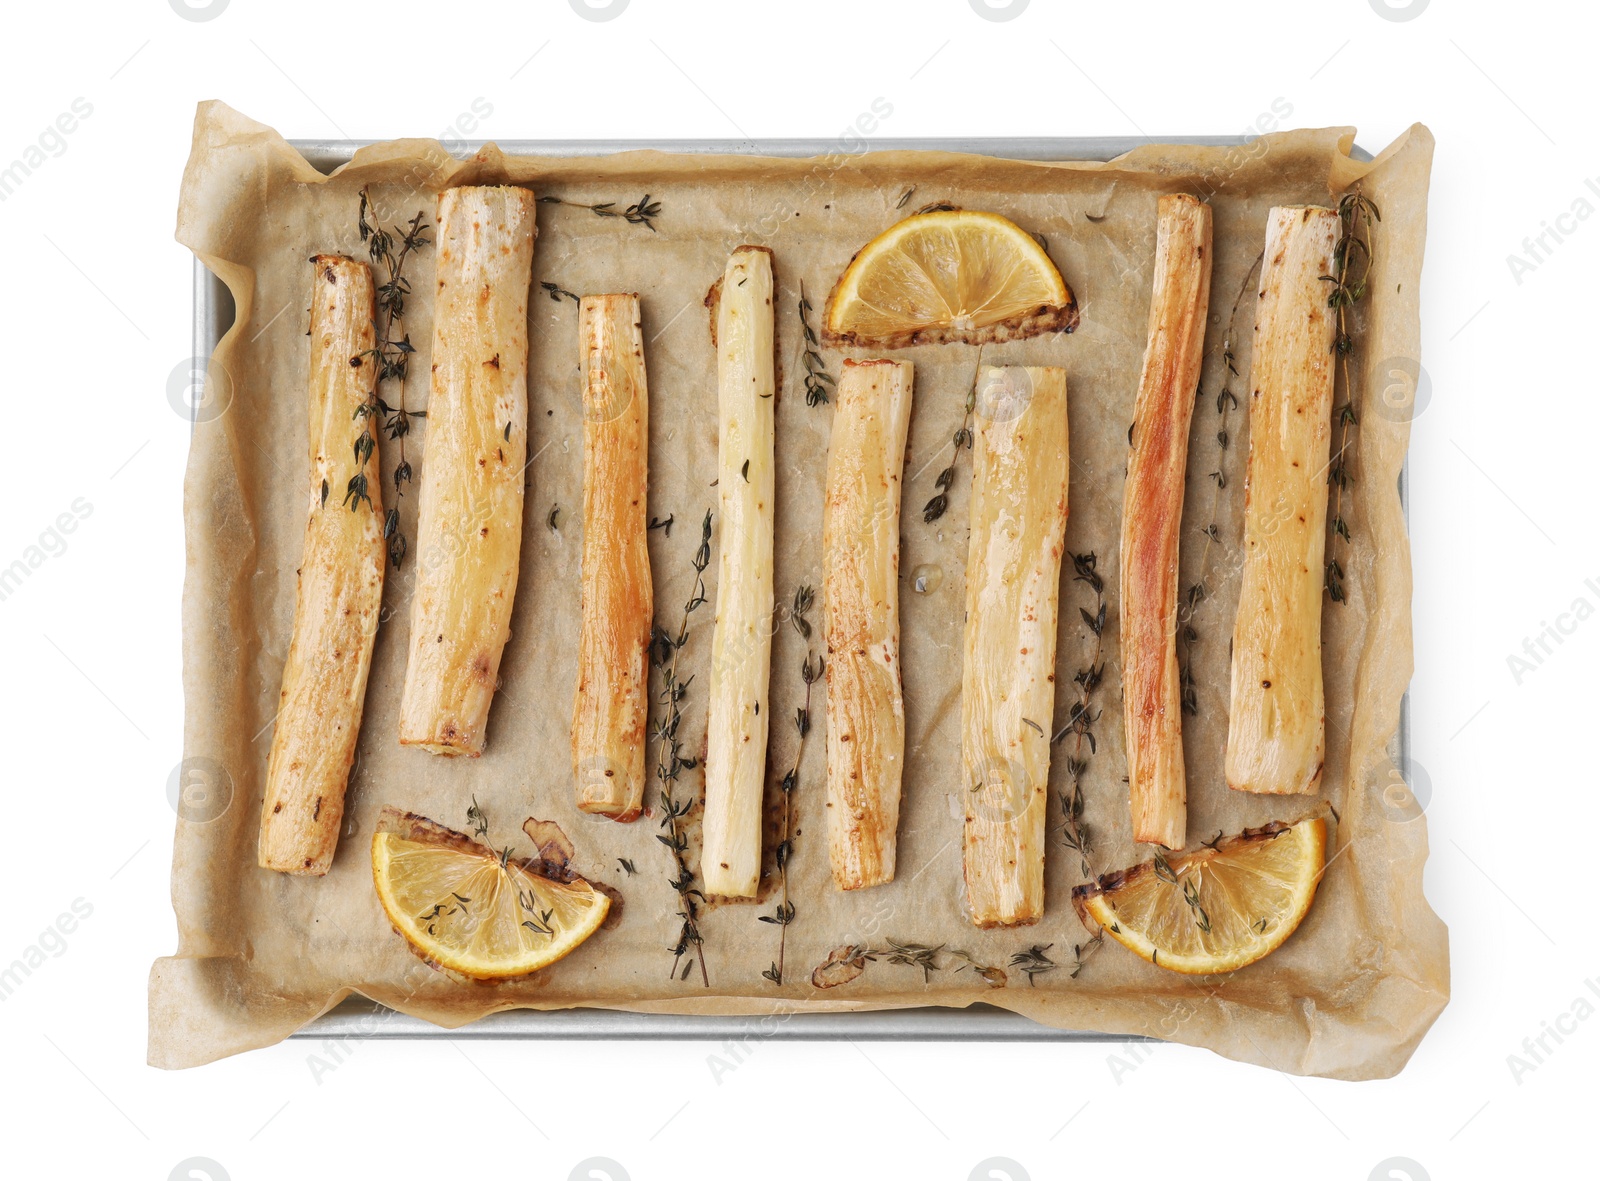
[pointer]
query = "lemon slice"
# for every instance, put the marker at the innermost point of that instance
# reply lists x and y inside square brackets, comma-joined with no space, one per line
[951,275]
[1215,910]
[472,911]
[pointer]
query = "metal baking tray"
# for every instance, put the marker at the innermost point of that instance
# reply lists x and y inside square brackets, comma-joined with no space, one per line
[358,1017]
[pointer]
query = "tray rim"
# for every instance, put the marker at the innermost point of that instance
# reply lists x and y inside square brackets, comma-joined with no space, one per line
[357,1017]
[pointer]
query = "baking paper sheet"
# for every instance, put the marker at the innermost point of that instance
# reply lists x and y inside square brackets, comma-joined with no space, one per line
[260,954]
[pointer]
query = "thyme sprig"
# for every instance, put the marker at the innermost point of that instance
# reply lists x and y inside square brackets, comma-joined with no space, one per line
[810,672]
[641,213]
[1352,256]
[993,975]
[476,820]
[393,358]
[1226,403]
[1082,952]
[913,955]
[671,762]
[1081,715]
[1033,962]
[1191,895]
[444,910]
[540,922]
[936,507]
[1191,889]
[817,378]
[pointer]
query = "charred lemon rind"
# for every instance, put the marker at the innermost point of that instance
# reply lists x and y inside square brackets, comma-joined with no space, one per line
[1041,320]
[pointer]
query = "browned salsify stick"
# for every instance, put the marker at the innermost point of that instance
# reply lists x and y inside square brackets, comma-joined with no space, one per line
[612,704]
[1152,515]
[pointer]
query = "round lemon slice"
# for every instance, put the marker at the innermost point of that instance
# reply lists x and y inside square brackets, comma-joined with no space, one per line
[949,276]
[472,911]
[1215,910]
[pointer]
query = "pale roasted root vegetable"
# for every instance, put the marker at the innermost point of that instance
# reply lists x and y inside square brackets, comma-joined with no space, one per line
[611,706]
[1152,513]
[1018,528]
[741,646]
[861,593]
[1275,713]
[340,591]
[469,528]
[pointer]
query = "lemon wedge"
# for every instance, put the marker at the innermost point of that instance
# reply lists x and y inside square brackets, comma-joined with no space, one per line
[1215,910]
[953,275]
[472,911]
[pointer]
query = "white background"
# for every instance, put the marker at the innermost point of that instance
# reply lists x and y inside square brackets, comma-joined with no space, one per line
[1503,495]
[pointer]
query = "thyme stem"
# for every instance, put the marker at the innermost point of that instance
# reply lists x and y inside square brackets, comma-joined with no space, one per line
[936,507]
[393,356]
[1081,717]
[641,213]
[1227,402]
[671,761]
[1082,952]
[817,378]
[1356,215]
[810,672]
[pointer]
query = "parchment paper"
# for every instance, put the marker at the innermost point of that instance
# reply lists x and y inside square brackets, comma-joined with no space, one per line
[260,953]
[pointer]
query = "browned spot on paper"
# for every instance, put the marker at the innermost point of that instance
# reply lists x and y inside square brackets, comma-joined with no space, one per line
[843,965]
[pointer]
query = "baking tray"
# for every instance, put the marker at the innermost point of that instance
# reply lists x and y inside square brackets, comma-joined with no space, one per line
[357,1017]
